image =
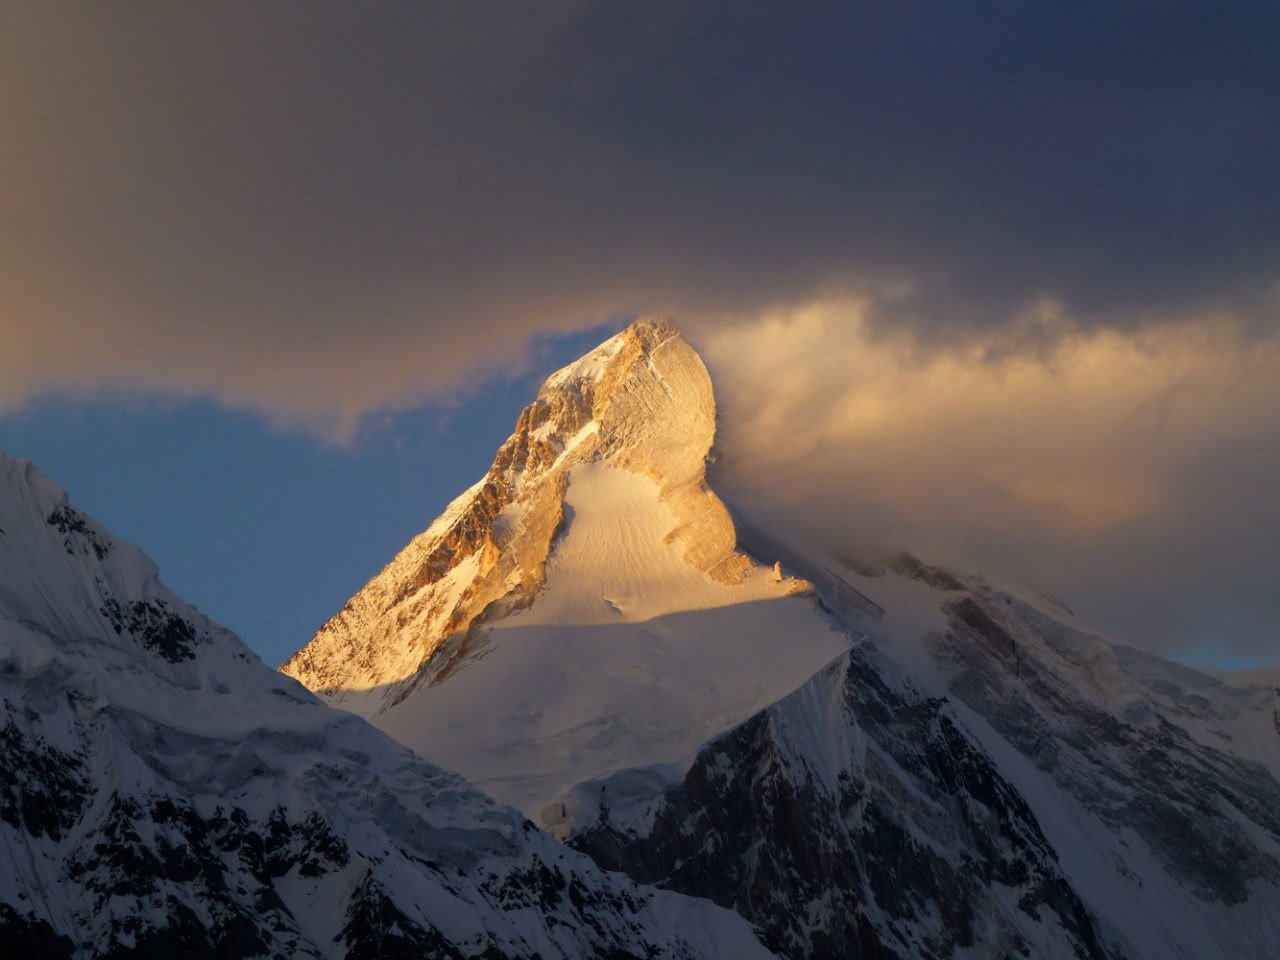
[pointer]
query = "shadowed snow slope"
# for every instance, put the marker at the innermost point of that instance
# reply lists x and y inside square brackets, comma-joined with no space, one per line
[584,608]
[982,776]
[165,794]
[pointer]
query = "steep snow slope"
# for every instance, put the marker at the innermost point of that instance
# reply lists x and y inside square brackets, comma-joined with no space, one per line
[584,608]
[165,794]
[1146,790]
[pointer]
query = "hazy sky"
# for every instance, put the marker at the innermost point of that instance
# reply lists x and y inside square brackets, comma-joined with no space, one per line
[998,282]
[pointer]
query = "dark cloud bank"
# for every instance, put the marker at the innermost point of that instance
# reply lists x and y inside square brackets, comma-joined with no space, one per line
[321,211]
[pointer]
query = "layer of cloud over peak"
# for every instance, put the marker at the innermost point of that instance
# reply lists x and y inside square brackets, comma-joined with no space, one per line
[1135,472]
[1039,245]
[320,210]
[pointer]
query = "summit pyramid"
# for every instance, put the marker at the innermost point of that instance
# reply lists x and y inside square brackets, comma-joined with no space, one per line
[584,607]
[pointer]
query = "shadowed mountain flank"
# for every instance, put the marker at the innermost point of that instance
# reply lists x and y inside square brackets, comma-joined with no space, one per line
[166,794]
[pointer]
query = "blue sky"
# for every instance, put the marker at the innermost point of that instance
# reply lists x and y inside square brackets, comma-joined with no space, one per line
[270,531]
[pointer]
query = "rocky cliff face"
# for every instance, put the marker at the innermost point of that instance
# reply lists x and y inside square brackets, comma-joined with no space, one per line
[164,794]
[1170,776]
[855,818]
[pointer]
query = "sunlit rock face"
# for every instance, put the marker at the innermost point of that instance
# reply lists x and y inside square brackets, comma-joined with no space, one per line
[164,794]
[584,607]
[641,401]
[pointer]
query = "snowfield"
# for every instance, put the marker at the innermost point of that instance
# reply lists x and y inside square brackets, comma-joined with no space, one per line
[628,656]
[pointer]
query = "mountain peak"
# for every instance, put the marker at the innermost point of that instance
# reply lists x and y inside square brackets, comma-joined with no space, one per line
[595,513]
[617,355]
[644,382]
[641,401]
[65,575]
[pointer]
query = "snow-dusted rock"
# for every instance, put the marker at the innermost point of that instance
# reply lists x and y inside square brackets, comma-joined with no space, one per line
[982,776]
[854,818]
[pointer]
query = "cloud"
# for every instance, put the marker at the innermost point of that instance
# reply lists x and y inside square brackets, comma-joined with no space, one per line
[1039,244]
[1133,470]
[324,211]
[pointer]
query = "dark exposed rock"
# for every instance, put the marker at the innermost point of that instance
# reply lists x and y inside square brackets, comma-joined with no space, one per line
[156,626]
[73,525]
[1146,775]
[44,789]
[376,929]
[25,937]
[911,566]
[889,850]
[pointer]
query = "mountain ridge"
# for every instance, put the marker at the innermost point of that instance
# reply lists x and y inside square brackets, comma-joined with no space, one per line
[169,794]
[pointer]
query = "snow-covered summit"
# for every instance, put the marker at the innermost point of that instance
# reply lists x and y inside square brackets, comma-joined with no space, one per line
[63,574]
[585,606]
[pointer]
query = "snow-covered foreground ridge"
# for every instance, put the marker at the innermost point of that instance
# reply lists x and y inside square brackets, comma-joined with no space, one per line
[164,794]
[584,607]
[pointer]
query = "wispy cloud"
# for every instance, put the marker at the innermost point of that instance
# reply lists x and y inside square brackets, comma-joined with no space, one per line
[1134,469]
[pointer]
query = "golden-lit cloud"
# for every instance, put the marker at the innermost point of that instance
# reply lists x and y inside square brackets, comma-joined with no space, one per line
[1063,228]
[325,213]
[1091,461]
